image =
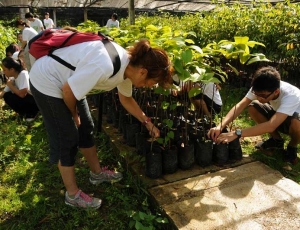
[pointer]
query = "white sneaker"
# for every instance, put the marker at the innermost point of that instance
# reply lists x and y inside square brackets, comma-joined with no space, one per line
[105,176]
[30,119]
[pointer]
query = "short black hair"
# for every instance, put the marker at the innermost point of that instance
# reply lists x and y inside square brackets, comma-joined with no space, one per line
[266,79]
[115,16]
[29,15]
[12,48]
[46,13]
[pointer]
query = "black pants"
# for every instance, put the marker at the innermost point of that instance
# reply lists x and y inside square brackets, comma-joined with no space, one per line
[25,106]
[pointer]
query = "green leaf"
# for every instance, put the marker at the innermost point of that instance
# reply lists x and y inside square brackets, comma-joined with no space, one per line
[194,92]
[234,69]
[170,134]
[165,105]
[169,123]
[241,40]
[178,65]
[187,56]
[160,140]
[138,225]
[197,48]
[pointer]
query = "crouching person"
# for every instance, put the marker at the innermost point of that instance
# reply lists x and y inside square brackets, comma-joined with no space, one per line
[16,94]
[275,106]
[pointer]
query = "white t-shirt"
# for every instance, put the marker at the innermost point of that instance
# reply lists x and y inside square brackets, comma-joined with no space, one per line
[288,101]
[21,82]
[92,75]
[210,90]
[110,23]
[37,25]
[48,23]
[28,33]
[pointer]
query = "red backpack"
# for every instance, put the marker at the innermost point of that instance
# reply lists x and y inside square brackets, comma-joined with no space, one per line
[46,42]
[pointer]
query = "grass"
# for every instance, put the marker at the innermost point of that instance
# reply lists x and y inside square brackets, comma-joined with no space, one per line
[32,192]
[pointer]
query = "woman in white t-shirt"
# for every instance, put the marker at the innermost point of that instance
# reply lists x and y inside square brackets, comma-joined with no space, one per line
[27,34]
[16,93]
[60,94]
[113,21]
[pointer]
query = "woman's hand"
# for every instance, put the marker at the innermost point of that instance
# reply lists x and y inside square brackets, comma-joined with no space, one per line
[213,133]
[76,119]
[153,131]
[10,83]
[226,137]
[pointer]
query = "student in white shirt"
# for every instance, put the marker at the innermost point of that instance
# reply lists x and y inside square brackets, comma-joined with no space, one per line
[35,23]
[113,21]
[48,22]
[275,106]
[60,94]
[16,92]
[27,34]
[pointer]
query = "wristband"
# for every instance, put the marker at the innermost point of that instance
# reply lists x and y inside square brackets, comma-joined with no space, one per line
[146,121]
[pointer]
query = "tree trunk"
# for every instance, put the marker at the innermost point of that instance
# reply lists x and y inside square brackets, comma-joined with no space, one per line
[22,12]
[131,12]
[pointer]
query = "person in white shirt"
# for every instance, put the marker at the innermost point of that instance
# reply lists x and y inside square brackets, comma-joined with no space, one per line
[48,22]
[27,34]
[113,21]
[275,106]
[208,102]
[35,23]
[16,93]
[60,94]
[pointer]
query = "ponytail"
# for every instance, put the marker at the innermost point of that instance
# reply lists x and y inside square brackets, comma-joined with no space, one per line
[11,63]
[155,60]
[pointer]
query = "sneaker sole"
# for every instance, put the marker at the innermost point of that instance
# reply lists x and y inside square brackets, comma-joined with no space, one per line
[75,206]
[96,182]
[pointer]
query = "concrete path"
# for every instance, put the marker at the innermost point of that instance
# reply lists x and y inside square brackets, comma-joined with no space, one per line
[246,195]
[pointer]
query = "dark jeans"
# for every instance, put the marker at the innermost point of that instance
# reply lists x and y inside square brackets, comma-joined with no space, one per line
[25,106]
[63,135]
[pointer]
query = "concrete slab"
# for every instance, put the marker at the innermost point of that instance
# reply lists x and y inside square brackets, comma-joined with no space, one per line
[251,196]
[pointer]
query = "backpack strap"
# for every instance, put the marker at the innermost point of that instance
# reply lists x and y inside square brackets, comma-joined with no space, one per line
[112,52]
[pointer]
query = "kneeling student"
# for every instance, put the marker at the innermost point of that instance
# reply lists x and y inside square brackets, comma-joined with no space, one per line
[16,93]
[275,106]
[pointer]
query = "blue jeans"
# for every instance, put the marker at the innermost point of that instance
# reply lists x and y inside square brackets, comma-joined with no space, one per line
[63,135]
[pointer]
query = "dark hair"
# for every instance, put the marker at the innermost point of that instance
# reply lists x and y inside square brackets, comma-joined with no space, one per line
[20,22]
[115,16]
[29,15]
[46,13]
[11,63]
[266,79]
[155,60]
[13,47]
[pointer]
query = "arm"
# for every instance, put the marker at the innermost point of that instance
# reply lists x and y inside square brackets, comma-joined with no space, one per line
[2,94]
[231,115]
[266,127]
[70,101]
[24,43]
[134,109]
[19,92]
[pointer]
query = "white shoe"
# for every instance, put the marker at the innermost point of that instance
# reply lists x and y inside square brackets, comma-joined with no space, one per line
[30,119]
